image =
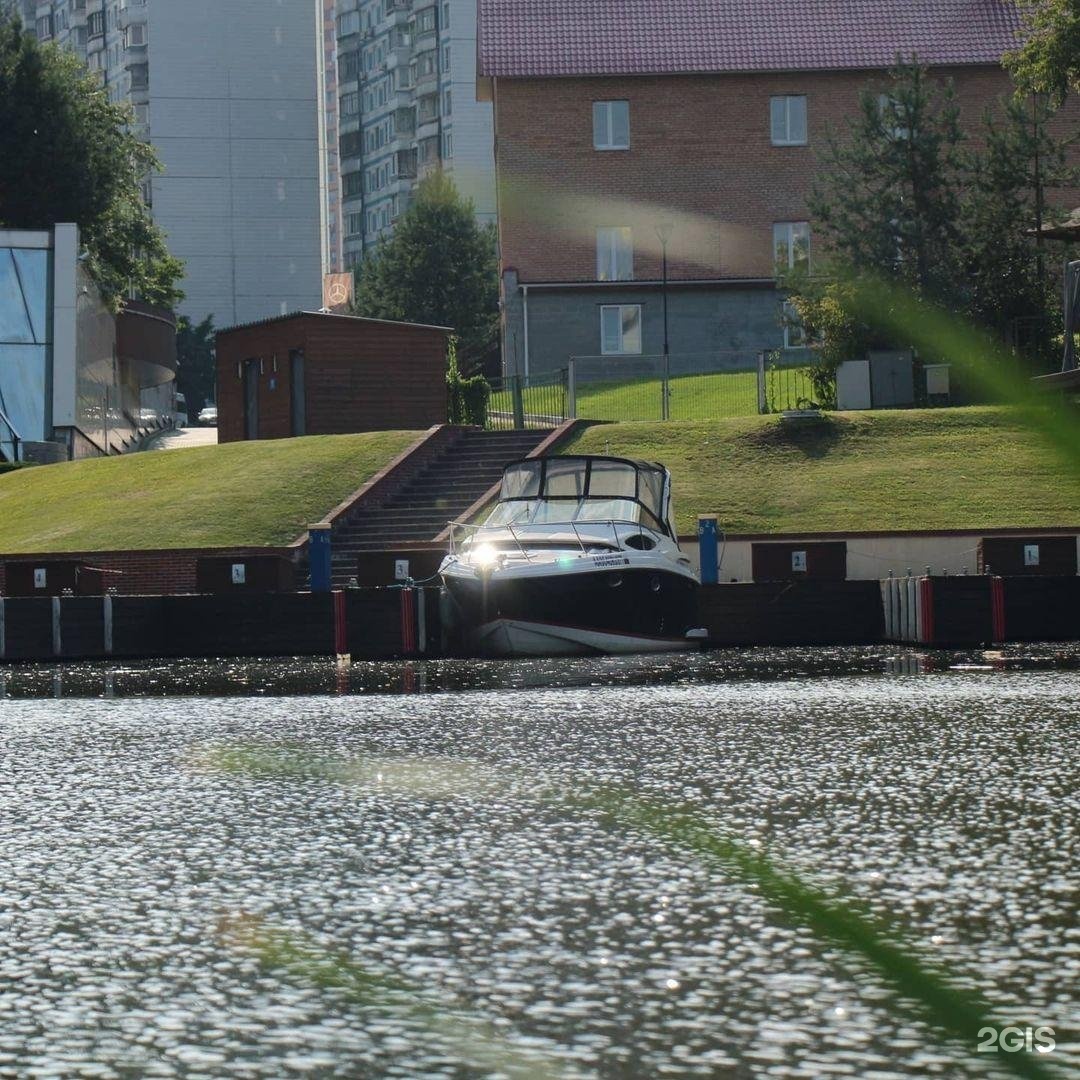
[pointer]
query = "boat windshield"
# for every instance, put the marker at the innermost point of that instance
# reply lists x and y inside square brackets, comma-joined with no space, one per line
[590,477]
[555,511]
[564,489]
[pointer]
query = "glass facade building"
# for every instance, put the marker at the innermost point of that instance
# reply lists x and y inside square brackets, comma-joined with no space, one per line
[76,380]
[25,344]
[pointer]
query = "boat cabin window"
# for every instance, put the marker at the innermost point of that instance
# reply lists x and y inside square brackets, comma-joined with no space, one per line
[521,481]
[580,489]
[613,478]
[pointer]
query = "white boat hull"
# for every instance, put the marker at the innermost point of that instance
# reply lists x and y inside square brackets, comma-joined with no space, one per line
[516,637]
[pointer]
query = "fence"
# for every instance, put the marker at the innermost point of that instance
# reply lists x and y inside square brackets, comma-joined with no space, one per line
[686,386]
[529,401]
[680,386]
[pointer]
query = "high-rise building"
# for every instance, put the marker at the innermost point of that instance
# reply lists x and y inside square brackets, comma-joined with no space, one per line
[407,105]
[332,253]
[228,94]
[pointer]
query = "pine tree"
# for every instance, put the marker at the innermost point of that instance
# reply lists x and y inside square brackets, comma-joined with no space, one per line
[888,202]
[438,267]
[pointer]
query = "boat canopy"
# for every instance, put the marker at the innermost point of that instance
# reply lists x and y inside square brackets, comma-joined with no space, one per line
[587,477]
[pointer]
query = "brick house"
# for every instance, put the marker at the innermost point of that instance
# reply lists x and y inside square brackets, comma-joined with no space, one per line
[623,128]
[311,373]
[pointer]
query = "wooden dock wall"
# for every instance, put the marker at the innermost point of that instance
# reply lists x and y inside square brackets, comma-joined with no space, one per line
[260,624]
[384,623]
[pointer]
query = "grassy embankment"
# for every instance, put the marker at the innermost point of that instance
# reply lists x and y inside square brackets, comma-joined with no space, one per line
[969,468]
[240,494]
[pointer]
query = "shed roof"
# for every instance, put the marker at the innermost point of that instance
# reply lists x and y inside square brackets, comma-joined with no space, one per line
[330,315]
[537,38]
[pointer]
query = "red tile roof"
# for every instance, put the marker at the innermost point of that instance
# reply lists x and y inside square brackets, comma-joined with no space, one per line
[646,37]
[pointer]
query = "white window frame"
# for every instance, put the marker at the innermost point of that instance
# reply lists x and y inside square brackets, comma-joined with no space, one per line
[785,232]
[615,254]
[604,113]
[634,347]
[786,139]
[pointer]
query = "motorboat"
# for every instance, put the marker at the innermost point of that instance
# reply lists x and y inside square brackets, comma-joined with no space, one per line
[579,556]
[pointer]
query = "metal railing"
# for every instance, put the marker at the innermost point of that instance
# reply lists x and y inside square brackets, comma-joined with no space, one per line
[546,529]
[687,386]
[11,442]
[528,401]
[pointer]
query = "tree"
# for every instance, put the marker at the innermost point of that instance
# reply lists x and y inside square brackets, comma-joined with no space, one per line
[905,200]
[888,201]
[68,154]
[1006,286]
[1049,60]
[438,267]
[196,373]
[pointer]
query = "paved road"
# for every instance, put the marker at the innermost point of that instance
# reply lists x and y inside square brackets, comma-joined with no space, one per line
[180,438]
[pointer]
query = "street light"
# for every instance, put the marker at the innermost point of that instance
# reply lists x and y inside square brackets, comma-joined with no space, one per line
[664,231]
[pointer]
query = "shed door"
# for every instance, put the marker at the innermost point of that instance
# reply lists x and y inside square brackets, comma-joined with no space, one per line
[251,399]
[296,392]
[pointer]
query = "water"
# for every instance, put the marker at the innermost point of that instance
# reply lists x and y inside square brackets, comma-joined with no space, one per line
[937,792]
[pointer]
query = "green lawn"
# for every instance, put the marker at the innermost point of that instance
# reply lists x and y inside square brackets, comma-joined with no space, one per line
[240,494]
[968,468]
[693,397]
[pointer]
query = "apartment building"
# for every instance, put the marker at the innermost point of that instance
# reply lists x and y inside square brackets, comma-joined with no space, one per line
[407,105]
[627,133]
[228,94]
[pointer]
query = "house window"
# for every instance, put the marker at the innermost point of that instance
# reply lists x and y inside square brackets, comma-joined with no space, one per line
[611,125]
[620,328]
[614,254]
[350,104]
[794,333]
[791,245]
[787,115]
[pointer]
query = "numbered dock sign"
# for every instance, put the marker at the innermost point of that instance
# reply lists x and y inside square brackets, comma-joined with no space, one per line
[239,573]
[798,562]
[1031,554]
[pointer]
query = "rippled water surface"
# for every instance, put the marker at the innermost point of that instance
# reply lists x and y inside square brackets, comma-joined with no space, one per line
[146,811]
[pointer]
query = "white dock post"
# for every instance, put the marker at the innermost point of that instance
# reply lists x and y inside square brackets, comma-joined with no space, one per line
[57,641]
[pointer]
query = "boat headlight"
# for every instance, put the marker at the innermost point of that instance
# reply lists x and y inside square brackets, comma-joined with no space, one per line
[485,556]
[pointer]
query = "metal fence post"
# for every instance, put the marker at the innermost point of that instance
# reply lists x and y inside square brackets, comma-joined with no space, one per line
[762,397]
[571,389]
[708,542]
[320,557]
[665,389]
[519,404]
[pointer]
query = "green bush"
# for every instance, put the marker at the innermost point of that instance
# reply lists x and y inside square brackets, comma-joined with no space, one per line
[466,398]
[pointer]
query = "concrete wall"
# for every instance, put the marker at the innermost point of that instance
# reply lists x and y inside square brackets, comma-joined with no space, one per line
[235,122]
[871,557]
[721,326]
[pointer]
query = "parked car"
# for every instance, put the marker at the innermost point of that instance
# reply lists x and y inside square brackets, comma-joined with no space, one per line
[208,416]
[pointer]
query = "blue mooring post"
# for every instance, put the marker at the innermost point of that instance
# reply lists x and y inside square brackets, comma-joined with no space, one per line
[319,557]
[708,533]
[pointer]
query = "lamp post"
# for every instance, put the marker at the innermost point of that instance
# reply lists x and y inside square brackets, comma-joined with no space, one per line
[663,232]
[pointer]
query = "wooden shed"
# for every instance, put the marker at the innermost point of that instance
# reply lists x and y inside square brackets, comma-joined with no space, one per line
[312,373]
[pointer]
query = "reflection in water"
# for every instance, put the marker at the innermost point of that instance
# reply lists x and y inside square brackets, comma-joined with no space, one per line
[936,798]
[305,676]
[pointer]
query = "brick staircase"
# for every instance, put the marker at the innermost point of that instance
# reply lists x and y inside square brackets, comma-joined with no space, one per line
[441,492]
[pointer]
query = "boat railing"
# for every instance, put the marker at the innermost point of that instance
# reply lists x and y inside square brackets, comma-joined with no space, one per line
[546,527]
